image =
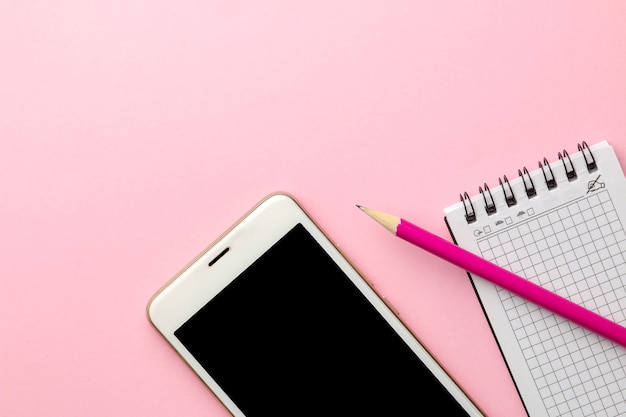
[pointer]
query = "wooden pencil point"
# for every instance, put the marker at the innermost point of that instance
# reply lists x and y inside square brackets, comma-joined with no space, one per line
[388,221]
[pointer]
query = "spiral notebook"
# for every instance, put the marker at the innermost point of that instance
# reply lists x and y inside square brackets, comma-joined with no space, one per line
[562,226]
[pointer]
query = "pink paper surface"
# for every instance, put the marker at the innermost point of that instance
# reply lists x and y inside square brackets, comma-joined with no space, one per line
[133,133]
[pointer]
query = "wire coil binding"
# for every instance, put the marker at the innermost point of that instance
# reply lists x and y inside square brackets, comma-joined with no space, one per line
[548,175]
[470,214]
[490,205]
[529,186]
[568,166]
[509,196]
[591,161]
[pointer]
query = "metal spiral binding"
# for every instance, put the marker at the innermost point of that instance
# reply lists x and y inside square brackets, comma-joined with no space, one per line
[490,206]
[510,196]
[569,167]
[591,162]
[470,214]
[549,178]
[529,186]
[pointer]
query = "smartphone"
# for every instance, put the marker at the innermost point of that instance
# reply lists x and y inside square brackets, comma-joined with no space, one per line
[277,322]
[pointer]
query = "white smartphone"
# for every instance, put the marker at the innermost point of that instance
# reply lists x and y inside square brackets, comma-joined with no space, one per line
[276,322]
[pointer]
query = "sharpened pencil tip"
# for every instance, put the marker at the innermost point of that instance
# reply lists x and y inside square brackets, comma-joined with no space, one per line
[388,221]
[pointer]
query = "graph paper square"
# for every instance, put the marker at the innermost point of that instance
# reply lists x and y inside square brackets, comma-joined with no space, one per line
[575,250]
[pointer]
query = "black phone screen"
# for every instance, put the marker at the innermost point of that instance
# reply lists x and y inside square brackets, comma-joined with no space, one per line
[292,335]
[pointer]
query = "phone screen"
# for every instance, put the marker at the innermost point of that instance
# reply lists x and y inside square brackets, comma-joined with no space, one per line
[293,335]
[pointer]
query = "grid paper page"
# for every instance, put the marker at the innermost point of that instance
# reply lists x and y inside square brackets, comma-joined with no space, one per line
[569,237]
[577,251]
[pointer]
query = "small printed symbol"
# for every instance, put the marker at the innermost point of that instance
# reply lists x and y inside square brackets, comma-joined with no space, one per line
[520,213]
[499,222]
[530,211]
[594,185]
[508,220]
[477,233]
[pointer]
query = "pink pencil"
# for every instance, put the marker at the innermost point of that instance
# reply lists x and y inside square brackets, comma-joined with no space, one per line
[499,276]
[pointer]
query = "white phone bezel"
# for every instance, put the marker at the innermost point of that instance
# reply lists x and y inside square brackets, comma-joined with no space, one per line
[247,240]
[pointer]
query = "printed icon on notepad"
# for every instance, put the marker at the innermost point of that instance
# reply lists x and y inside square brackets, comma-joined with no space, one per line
[594,185]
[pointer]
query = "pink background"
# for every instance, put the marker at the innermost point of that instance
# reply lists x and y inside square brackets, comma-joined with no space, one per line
[134,132]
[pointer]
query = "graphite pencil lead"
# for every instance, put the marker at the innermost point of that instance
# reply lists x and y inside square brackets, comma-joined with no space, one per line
[388,221]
